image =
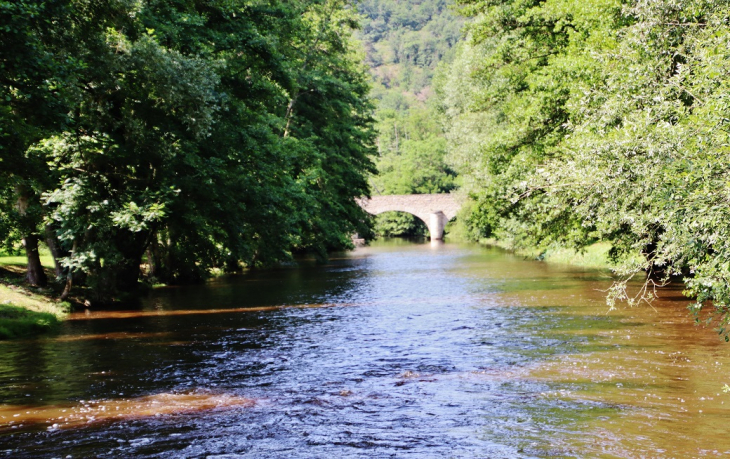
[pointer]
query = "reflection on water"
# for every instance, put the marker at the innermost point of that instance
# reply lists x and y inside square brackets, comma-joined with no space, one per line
[96,411]
[89,315]
[398,350]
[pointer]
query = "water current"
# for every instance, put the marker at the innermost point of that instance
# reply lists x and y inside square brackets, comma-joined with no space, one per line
[393,350]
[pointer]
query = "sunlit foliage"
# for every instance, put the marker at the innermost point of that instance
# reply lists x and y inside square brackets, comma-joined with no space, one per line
[602,120]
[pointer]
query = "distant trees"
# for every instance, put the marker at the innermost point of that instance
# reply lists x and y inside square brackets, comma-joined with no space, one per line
[575,121]
[405,42]
[188,135]
[410,36]
[412,153]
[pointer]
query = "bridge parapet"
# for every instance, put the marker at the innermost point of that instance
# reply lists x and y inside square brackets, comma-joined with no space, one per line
[435,210]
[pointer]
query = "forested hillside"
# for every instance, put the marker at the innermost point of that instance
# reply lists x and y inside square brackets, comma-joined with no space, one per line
[574,121]
[190,136]
[405,41]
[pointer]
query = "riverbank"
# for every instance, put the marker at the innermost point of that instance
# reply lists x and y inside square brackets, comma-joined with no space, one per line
[24,310]
[594,256]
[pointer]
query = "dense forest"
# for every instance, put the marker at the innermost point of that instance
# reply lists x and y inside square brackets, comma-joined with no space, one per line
[575,121]
[179,136]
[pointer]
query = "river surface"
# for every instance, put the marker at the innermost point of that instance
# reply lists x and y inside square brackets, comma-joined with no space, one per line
[394,350]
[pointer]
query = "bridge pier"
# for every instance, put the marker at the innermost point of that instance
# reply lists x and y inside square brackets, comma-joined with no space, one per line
[436,224]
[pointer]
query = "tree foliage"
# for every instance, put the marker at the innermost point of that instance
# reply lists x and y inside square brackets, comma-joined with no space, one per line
[600,120]
[189,135]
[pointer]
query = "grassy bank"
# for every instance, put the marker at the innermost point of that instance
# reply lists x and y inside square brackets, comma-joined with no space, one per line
[26,311]
[17,322]
[594,256]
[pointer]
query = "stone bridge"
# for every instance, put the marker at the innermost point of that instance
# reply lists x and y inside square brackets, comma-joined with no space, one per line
[434,209]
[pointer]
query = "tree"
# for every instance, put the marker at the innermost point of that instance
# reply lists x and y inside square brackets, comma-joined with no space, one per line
[195,135]
[509,116]
[650,150]
[585,121]
[37,71]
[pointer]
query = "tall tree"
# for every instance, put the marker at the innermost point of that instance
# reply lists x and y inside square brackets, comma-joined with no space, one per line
[585,121]
[197,135]
[507,101]
[37,78]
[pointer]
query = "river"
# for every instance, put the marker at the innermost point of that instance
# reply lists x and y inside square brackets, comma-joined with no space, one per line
[393,350]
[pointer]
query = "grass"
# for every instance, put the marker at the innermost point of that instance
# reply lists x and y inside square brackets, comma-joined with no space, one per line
[594,256]
[27,311]
[21,260]
[17,322]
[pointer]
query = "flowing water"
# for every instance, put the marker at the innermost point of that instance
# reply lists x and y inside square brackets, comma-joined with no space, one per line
[395,350]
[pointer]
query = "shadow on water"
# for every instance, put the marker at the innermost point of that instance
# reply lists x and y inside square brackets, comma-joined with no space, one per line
[396,349]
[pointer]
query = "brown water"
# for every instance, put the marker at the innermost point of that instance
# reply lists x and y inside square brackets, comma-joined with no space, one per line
[398,350]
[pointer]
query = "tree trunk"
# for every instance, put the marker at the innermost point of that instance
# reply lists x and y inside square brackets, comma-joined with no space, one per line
[154,258]
[127,279]
[69,277]
[152,264]
[67,288]
[36,275]
[56,251]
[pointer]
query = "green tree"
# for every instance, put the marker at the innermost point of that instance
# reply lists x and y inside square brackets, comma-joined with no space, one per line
[142,110]
[37,81]
[508,117]
[585,121]
[201,135]
[648,153]
[330,115]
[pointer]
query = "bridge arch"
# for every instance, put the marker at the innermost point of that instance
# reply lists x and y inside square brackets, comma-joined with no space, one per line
[435,210]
